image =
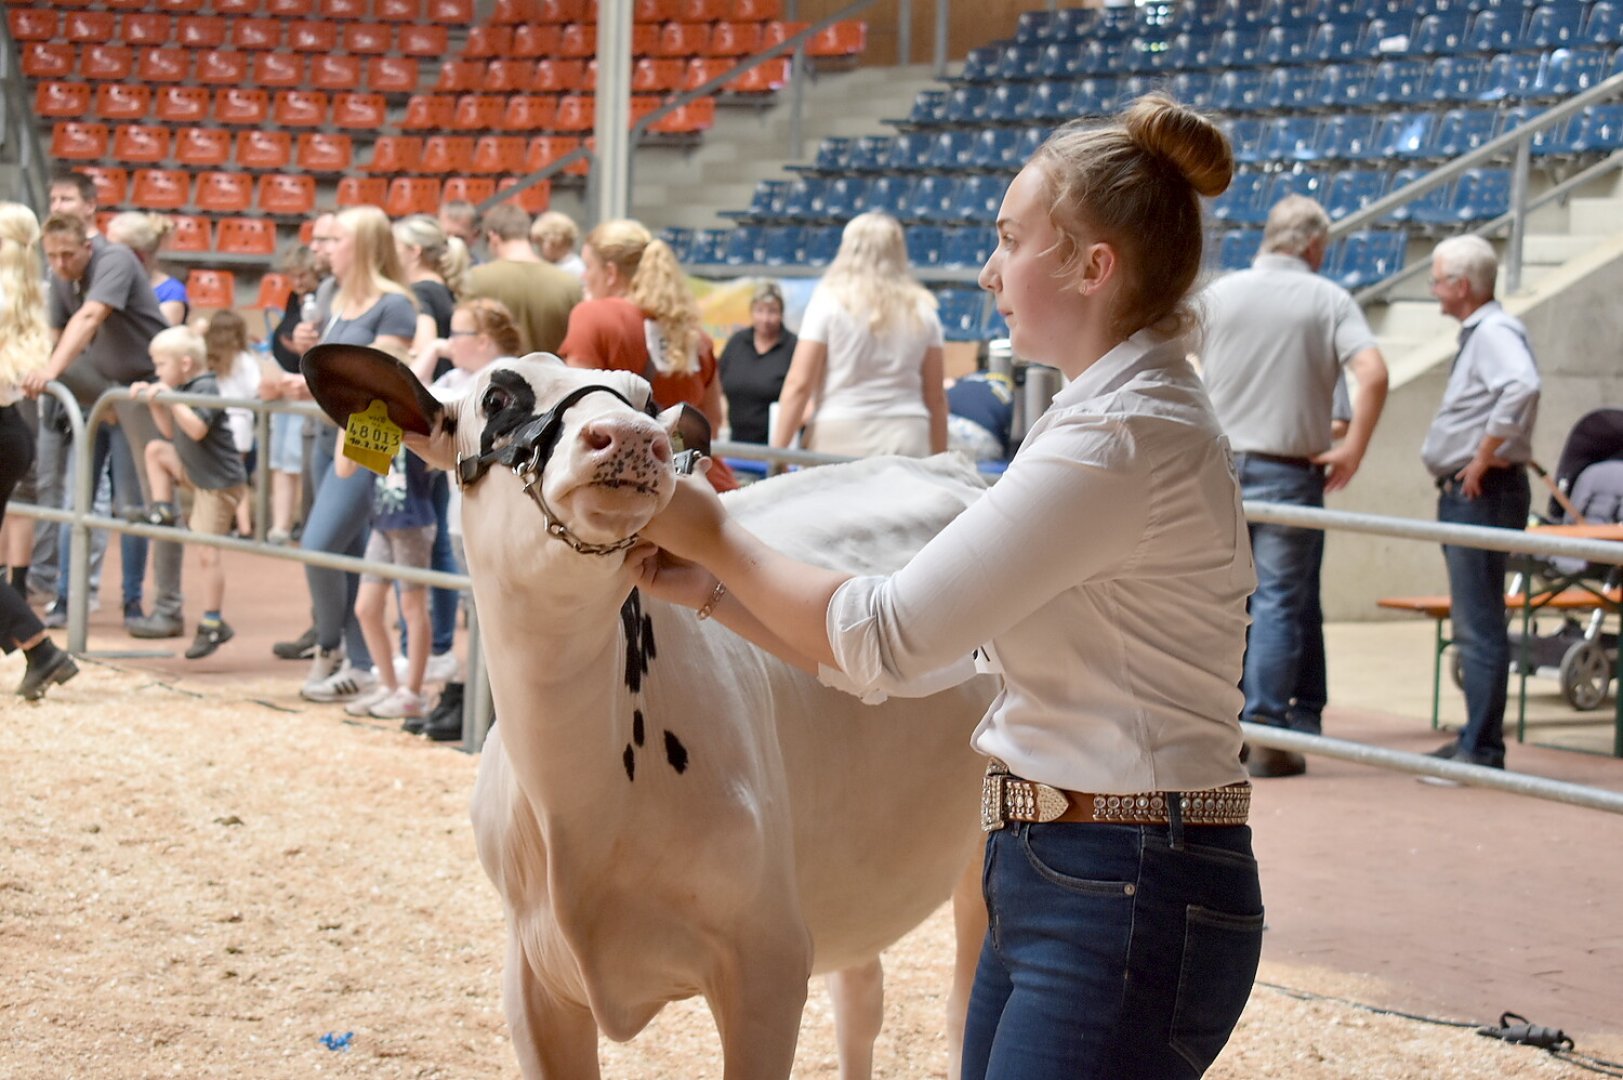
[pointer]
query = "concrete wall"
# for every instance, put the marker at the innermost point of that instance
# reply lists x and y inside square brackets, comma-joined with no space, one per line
[1575,323]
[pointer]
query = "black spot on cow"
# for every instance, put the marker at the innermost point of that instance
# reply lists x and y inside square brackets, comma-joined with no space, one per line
[631,621]
[648,650]
[630,758]
[507,403]
[637,732]
[676,753]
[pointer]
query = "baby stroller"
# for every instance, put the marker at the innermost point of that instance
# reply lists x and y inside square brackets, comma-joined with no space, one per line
[1589,478]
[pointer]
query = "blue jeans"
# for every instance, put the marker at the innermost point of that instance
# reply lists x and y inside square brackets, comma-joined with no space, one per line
[1287,562]
[1476,590]
[1113,952]
[338,523]
[442,602]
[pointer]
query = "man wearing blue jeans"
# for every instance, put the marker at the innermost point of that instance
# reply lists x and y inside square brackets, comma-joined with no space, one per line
[1278,337]
[1476,450]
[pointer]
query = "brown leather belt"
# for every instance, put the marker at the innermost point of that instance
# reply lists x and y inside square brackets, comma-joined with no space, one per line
[1006,797]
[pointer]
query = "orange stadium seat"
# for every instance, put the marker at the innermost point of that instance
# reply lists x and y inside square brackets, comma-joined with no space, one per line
[341,9]
[246,236]
[428,112]
[307,230]
[235,105]
[263,150]
[578,40]
[274,290]
[179,7]
[683,39]
[279,70]
[47,59]
[757,10]
[705,11]
[160,189]
[255,34]
[211,289]
[290,9]
[391,74]
[323,153]
[395,154]
[280,193]
[460,76]
[359,112]
[89,26]
[478,112]
[148,28]
[335,72]
[222,192]
[656,11]
[498,154]
[485,42]
[576,112]
[447,154]
[431,41]
[111,63]
[66,99]
[300,108]
[312,37]
[412,195]
[644,39]
[588,80]
[224,67]
[641,106]
[398,10]
[735,39]
[180,104]
[372,39]
[164,65]
[846,38]
[203,148]
[543,150]
[776,31]
[33,24]
[201,31]
[468,189]
[114,5]
[656,76]
[505,75]
[559,76]
[532,41]
[764,78]
[560,11]
[115,101]
[236,7]
[362,191]
[111,183]
[694,117]
[188,234]
[534,199]
[74,140]
[530,112]
[701,70]
[511,12]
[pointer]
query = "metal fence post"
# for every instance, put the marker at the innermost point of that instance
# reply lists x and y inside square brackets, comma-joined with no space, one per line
[1518,211]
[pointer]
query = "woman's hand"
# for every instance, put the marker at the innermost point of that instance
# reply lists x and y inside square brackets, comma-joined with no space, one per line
[690,526]
[665,577]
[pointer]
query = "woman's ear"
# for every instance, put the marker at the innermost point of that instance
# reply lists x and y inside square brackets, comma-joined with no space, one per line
[1096,269]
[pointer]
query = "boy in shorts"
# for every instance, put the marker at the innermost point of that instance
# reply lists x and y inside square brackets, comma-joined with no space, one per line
[201,457]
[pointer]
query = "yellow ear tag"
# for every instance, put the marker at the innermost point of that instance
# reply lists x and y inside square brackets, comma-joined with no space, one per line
[371,439]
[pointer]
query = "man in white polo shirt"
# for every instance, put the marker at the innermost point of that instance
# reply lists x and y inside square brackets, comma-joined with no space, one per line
[1278,337]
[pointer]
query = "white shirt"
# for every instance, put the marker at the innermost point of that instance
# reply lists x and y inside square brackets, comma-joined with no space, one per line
[242,381]
[1105,576]
[866,374]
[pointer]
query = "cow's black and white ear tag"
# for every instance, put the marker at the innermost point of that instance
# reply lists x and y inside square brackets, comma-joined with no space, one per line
[371,439]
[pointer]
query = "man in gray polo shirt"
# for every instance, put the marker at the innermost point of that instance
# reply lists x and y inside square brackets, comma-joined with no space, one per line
[1476,450]
[1277,339]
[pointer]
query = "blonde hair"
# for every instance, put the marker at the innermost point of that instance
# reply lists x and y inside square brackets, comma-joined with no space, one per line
[870,276]
[446,255]
[225,339]
[494,321]
[1136,184]
[1294,223]
[377,263]
[141,232]
[179,341]
[553,225]
[25,336]
[656,285]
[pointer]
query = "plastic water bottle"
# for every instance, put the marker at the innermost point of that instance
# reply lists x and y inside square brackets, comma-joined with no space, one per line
[309,311]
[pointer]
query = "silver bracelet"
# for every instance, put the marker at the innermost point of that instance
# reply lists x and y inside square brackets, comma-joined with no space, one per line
[715,598]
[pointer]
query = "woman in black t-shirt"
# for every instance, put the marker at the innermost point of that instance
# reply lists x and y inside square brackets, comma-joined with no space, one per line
[434,264]
[754,364]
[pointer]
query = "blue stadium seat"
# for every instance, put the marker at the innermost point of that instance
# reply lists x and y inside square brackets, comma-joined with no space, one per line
[1238,91]
[911,150]
[1047,102]
[1060,60]
[1384,37]
[1289,138]
[1554,26]
[1242,203]
[1495,31]
[1454,78]
[1134,86]
[1237,48]
[822,244]
[923,245]
[890,194]
[680,241]
[960,313]
[949,150]
[1402,179]
[744,246]
[1237,249]
[1599,129]
[980,65]
[767,201]
[781,246]
[1196,15]
[931,199]
[1550,140]
[1403,135]
[800,200]
[1369,256]
[1240,14]
[1101,58]
[967,248]
[1290,89]
[869,153]
[1094,97]
[844,197]
[833,155]
[1333,42]
[1353,190]
[995,148]
[1190,50]
[1281,185]
[1346,138]
[1400,82]
[1286,44]
[1245,138]
[1569,71]
[1114,23]
[1142,55]
[1441,34]
[978,198]
[1030,139]
[1192,88]
[1288,13]
[966,104]
[1510,76]
[1031,27]
[1342,86]
[707,246]
[929,107]
[1018,62]
[1072,24]
[1009,101]
[1605,23]
[1343,11]
[1460,131]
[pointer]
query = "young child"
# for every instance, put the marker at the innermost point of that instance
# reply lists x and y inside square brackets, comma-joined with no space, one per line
[202,457]
[237,373]
[402,534]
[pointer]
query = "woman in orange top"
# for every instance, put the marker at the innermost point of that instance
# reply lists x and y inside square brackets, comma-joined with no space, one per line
[639,316]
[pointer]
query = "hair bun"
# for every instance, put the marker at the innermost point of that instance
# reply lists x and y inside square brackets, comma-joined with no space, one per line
[1192,143]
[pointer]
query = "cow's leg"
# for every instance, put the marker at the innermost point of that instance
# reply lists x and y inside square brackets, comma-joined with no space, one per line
[757,998]
[553,1039]
[969,931]
[859,1009]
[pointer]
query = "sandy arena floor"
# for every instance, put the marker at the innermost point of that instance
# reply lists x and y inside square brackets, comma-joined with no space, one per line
[204,882]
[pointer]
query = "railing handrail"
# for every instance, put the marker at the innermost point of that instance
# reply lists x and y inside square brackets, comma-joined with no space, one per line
[1489,150]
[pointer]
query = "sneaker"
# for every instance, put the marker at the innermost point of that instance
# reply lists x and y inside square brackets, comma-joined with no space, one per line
[362,705]
[442,667]
[55,617]
[302,647]
[209,638]
[279,537]
[345,684]
[156,625]
[57,668]
[162,514]
[324,664]
[399,705]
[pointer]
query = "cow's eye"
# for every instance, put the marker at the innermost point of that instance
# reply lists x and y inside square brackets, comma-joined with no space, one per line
[495,400]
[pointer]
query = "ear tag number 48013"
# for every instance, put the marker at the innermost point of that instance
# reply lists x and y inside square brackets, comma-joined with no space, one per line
[371,439]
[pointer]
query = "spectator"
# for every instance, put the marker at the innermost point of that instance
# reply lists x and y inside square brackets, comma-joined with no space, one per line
[537,293]
[144,234]
[640,317]
[287,429]
[372,306]
[104,307]
[24,329]
[236,375]
[980,414]
[1277,339]
[1477,450]
[754,363]
[555,235]
[202,457]
[870,354]
[460,218]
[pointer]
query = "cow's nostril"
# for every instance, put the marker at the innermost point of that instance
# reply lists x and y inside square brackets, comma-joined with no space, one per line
[598,438]
[662,450]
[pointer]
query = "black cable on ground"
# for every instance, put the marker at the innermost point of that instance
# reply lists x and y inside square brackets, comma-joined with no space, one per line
[1552,1040]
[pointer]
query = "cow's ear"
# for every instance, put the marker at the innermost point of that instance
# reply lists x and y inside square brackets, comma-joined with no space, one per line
[346,379]
[688,427]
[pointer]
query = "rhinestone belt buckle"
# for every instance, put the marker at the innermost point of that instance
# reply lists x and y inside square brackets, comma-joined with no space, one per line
[992,800]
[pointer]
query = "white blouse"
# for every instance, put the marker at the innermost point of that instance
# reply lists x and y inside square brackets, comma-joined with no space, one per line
[1105,577]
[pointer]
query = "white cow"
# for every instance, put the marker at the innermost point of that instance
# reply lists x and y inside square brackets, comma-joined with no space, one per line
[665,809]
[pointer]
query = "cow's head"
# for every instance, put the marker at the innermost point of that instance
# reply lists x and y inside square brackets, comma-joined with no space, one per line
[534,444]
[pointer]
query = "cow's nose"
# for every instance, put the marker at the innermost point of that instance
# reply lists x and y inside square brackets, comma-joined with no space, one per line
[611,436]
